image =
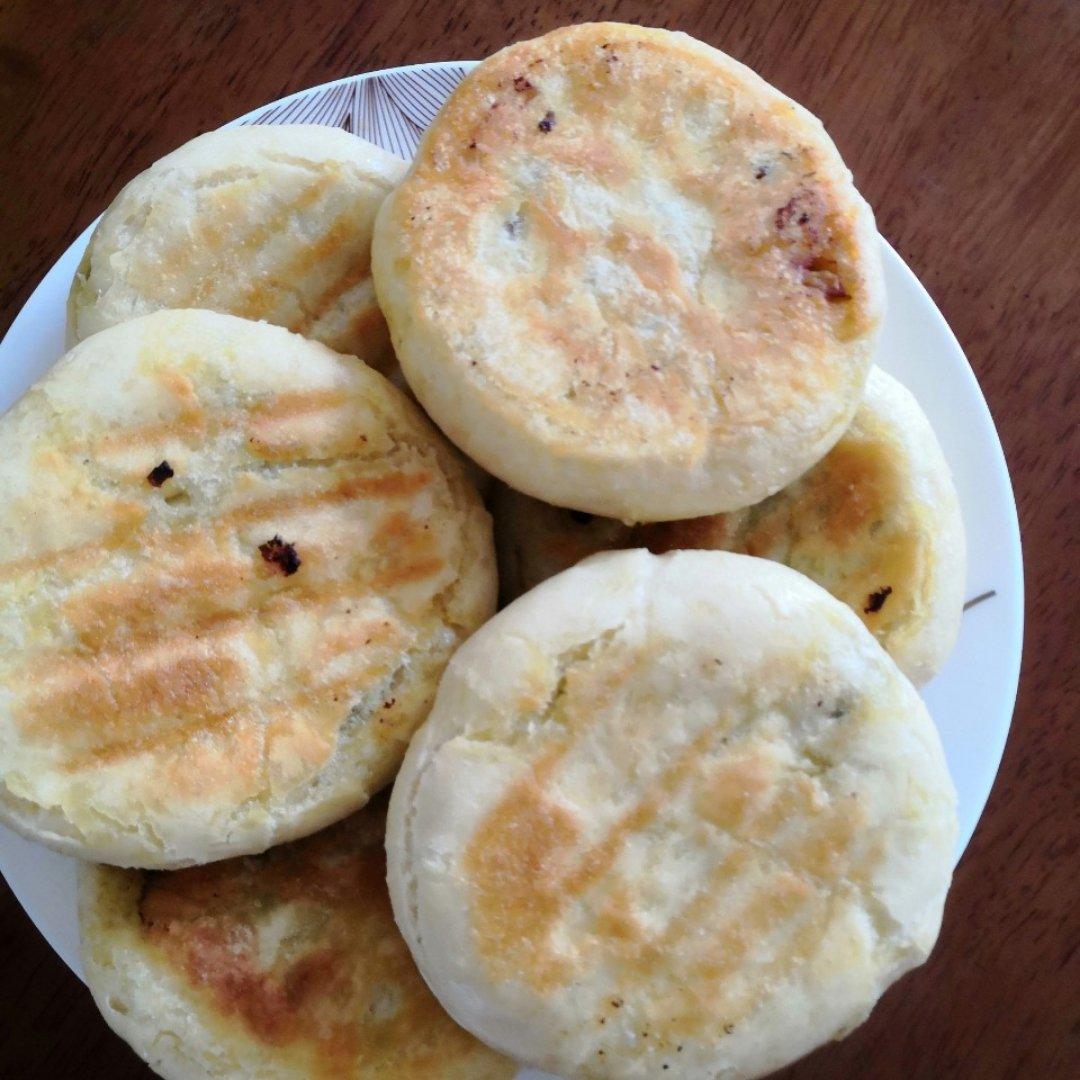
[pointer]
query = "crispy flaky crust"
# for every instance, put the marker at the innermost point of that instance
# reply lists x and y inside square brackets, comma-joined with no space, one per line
[671,815]
[232,566]
[267,222]
[628,276]
[273,967]
[876,522]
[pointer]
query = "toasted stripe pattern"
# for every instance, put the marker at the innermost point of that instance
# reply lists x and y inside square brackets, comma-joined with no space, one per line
[170,694]
[696,826]
[268,223]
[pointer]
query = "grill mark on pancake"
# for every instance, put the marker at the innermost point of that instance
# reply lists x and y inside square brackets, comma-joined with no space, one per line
[599,859]
[316,697]
[790,897]
[160,668]
[525,878]
[184,733]
[516,860]
[329,297]
[261,294]
[251,243]
[522,866]
[706,976]
[137,609]
[408,573]
[132,613]
[95,698]
[789,902]
[358,270]
[193,421]
[393,485]
[408,549]
[217,624]
[73,557]
[389,485]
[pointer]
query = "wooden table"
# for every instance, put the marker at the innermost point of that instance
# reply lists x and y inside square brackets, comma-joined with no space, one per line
[961,122]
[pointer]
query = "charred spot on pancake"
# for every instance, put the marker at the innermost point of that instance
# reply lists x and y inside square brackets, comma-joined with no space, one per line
[159,474]
[523,86]
[761,172]
[822,273]
[876,600]
[581,517]
[280,554]
[547,123]
[803,226]
[797,220]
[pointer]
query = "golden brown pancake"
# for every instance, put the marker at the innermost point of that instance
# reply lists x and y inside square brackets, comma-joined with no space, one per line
[286,964]
[232,567]
[876,522]
[629,277]
[673,815]
[268,222]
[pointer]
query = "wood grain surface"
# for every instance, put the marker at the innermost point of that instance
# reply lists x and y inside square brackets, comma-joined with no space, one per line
[961,122]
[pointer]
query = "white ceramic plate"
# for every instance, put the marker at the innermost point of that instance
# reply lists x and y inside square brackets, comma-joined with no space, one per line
[971,699]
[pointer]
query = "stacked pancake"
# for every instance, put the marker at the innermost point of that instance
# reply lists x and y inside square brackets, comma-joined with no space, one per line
[286,964]
[672,810]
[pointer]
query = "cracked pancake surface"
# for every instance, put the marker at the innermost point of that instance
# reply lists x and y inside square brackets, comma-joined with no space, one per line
[693,825]
[282,965]
[232,567]
[628,276]
[876,522]
[267,222]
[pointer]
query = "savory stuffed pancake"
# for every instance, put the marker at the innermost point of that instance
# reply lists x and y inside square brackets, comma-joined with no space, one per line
[673,815]
[283,965]
[876,522]
[629,277]
[267,222]
[232,567]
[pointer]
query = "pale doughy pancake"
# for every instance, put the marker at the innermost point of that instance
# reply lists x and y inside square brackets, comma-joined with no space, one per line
[628,276]
[266,222]
[876,522]
[232,567]
[670,815]
[284,965]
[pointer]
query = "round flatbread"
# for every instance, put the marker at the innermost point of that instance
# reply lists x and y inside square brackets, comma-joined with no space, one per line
[232,567]
[267,222]
[876,522]
[285,965]
[628,276]
[670,815]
